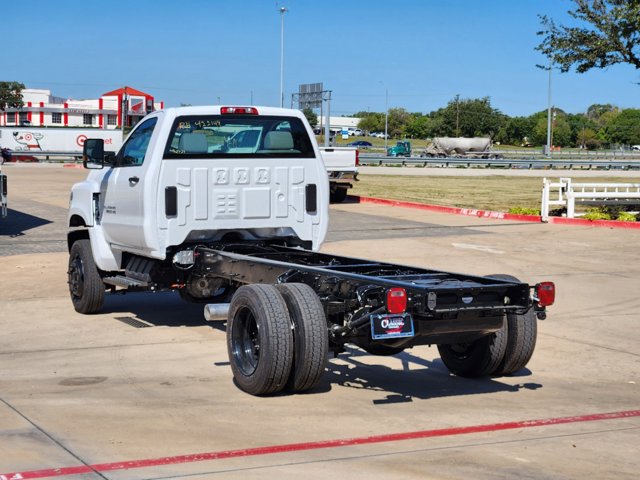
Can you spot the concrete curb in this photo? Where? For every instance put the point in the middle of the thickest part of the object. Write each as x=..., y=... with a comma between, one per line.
x=472, y=212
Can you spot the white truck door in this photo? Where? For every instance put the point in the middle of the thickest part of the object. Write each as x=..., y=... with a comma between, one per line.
x=122, y=214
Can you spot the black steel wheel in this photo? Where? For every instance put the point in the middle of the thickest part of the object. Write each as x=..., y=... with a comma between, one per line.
x=85, y=284
x=259, y=339
x=479, y=358
x=522, y=332
x=310, y=335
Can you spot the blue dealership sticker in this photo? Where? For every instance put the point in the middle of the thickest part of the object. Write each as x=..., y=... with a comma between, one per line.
x=391, y=326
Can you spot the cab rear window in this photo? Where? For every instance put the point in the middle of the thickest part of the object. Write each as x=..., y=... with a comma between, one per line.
x=246, y=136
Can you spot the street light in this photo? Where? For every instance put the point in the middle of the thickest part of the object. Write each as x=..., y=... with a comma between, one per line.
x=549, y=113
x=282, y=11
x=386, y=114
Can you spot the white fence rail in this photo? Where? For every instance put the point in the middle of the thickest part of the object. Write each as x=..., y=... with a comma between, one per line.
x=565, y=193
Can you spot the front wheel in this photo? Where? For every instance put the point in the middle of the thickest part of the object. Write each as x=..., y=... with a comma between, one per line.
x=85, y=284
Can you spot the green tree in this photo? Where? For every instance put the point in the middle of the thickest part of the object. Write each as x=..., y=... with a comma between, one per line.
x=398, y=120
x=312, y=118
x=625, y=127
x=579, y=123
x=11, y=95
x=419, y=126
x=371, y=121
x=561, y=129
x=516, y=131
x=609, y=33
x=469, y=118
x=597, y=111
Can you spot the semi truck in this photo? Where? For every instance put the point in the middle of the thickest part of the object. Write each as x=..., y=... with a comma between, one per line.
x=178, y=208
x=402, y=148
x=460, y=147
x=63, y=140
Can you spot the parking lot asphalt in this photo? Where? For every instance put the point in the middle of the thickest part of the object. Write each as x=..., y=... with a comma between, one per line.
x=143, y=390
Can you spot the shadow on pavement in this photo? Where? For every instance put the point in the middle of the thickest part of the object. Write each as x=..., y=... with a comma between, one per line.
x=409, y=383
x=143, y=309
x=17, y=223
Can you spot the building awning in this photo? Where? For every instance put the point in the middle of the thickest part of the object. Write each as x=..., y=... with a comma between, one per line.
x=126, y=90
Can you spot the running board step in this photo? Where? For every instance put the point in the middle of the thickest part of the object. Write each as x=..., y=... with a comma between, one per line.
x=124, y=282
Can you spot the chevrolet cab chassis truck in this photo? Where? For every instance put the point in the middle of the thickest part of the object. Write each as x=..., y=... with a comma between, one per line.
x=185, y=205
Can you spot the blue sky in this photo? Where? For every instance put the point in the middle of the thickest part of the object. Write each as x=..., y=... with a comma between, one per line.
x=422, y=52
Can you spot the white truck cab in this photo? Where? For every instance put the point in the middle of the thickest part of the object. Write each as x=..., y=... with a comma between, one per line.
x=198, y=174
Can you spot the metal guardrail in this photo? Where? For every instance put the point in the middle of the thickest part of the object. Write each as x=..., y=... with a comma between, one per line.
x=529, y=163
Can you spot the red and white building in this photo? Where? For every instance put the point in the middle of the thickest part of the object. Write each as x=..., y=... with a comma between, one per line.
x=41, y=109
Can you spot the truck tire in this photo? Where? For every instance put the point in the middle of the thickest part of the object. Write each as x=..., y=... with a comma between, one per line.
x=479, y=358
x=259, y=339
x=310, y=335
x=522, y=331
x=339, y=195
x=85, y=284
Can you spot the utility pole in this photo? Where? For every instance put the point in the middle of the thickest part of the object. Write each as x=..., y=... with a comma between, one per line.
x=282, y=11
x=458, y=115
x=327, y=131
x=124, y=109
x=548, y=152
x=386, y=118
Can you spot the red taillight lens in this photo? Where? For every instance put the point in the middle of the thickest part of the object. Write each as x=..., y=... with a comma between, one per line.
x=546, y=293
x=239, y=110
x=357, y=157
x=396, y=300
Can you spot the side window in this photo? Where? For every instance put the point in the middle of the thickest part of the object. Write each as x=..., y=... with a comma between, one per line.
x=134, y=150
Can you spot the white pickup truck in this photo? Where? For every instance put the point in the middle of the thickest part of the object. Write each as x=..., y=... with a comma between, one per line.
x=229, y=206
x=342, y=168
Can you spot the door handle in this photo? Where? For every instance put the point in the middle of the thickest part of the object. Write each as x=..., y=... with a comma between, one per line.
x=133, y=180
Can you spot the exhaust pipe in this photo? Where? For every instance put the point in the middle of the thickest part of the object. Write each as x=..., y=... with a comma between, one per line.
x=216, y=311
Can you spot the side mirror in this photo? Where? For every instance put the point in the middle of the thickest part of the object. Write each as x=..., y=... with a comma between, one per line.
x=93, y=153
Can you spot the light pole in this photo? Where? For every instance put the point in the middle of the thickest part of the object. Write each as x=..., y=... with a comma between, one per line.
x=386, y=117
x=549, y=113
x=386, y=114
x=282, y=11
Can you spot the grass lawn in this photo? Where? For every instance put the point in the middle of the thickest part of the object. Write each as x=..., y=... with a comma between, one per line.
x=485, y=193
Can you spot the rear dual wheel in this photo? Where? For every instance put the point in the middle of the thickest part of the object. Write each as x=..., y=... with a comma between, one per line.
x=276, y=338
x=501, y=353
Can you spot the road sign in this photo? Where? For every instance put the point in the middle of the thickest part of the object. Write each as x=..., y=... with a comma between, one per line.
x=309, y=95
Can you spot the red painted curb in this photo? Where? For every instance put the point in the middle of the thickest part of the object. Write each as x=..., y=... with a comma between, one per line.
x=472, y=212
x=297, y=447
x=594, y=223
x=72, y=165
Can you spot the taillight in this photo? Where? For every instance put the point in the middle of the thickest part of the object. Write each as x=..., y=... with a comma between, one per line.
x=396, y=300
x=546, y=293
x=239, y=110
x=357, y=157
